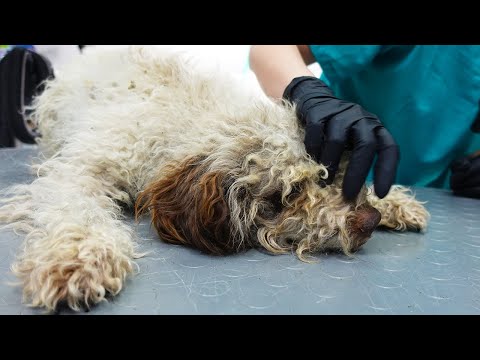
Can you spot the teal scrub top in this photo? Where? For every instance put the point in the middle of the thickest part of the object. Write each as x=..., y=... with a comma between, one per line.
x=427, y=96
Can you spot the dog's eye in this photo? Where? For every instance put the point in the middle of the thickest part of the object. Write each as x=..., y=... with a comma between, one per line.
x=322, y=183
x=296, y=190
x=275, y=201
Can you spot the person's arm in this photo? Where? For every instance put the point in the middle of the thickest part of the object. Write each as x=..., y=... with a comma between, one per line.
x=277, y=65
x=331, y=124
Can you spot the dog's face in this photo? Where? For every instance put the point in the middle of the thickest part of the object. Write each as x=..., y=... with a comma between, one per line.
x=279, y=208
x=309, y=216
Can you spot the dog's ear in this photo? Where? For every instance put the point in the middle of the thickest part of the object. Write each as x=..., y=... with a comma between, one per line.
x=188, y=207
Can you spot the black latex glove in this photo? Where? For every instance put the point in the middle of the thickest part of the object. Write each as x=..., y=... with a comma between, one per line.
x=465, y=178
x=333, y=126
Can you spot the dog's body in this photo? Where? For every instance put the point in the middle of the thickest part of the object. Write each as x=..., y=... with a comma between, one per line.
x=217, y=168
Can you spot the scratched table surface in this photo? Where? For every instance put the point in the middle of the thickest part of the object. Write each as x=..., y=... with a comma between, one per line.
x=437, y=272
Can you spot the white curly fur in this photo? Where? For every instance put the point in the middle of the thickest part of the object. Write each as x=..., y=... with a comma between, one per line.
x=116, y=122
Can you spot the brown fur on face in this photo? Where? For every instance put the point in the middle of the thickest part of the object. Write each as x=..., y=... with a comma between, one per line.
x=188, y=207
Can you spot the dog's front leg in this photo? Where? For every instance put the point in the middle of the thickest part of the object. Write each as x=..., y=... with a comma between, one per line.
x=76, y=250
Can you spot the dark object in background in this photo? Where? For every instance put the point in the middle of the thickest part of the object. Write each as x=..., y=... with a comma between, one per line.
x=465, y=178
x=22, y=73
x=476, y=123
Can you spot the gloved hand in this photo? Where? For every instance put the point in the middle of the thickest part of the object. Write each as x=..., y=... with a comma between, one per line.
x=333, y=125
x=465, y=178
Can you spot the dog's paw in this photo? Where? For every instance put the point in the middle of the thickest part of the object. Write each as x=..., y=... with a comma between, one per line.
x=400, y=210
x=79, y=276
x=401, y=217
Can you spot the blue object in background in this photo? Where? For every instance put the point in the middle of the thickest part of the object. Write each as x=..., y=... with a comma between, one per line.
x=30, y=47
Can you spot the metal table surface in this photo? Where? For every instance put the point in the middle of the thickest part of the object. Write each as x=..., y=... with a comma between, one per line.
x=437, y=272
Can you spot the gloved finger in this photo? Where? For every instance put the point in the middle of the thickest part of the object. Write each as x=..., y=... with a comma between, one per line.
x=333, y=148
x=364, y=147
x=314, y=138
x=387, y=161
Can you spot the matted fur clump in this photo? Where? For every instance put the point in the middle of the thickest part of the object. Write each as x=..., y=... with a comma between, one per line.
x=216, y=167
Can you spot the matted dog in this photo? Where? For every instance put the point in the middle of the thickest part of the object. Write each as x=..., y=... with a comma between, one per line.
x=217, y=168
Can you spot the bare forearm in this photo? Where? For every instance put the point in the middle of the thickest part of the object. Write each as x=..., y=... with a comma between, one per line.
x=276, y=65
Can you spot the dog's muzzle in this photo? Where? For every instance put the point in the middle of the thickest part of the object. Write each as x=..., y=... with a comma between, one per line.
x=365, y=221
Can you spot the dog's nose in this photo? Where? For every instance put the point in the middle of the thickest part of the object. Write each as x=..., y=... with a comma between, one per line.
x=367, y=219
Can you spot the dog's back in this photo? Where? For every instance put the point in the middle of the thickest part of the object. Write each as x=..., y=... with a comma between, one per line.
x=129, y=79
x=154, y=106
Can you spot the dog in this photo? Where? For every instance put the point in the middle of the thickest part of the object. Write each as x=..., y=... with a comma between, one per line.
x=217, y=168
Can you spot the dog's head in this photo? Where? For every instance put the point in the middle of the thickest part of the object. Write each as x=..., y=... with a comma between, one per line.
x=264, y=190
